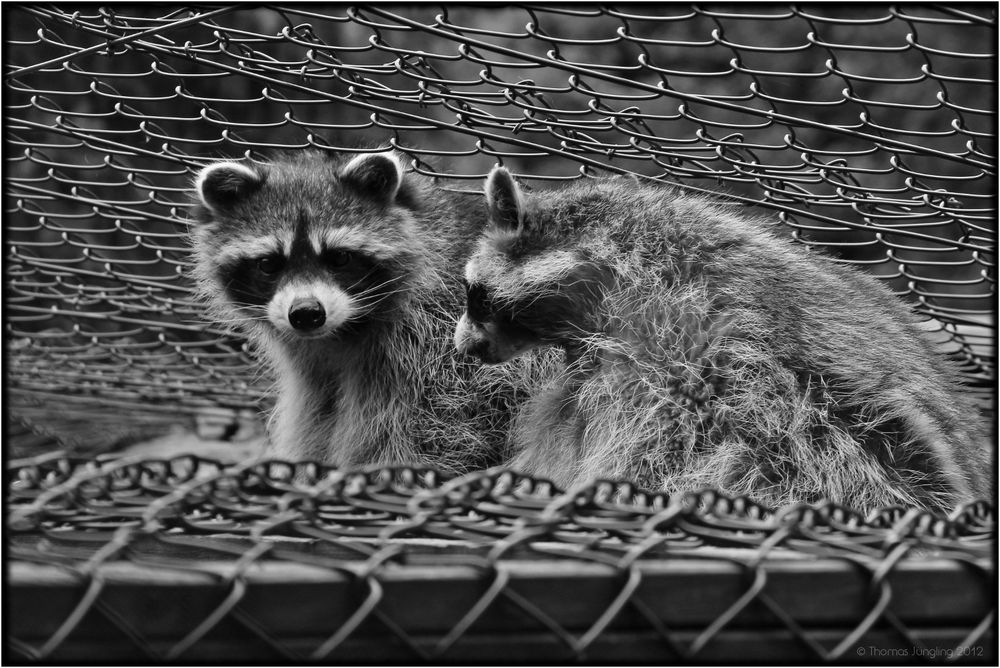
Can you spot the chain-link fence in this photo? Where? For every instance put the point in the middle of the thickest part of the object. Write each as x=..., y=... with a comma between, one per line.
x=192, y=560
x=868, y=130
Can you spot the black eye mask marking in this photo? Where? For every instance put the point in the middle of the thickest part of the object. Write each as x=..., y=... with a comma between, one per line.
x=377, y=287
x=478, y=303
x=481, y=308
x=559, y=314
x=337, y=258
x=252, y=281
x=354, y=272
x=270, y=265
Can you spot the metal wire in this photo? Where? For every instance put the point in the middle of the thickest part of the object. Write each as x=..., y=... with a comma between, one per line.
x=234, y=545
x=868, y=130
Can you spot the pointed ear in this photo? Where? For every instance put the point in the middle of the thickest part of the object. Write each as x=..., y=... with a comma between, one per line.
x=223, y=184
x=377, y=175
x=503, y=199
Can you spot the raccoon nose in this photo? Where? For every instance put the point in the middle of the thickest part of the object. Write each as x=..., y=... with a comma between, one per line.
x=306, y=314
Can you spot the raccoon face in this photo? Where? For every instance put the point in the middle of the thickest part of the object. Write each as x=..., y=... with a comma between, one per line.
x=490, y=331
x=304, y=291
x=307, y=248
x=525, y=287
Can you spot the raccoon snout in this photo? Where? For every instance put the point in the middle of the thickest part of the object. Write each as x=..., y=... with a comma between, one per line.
x=306, y=315
x=481, y=350
x=470, y=340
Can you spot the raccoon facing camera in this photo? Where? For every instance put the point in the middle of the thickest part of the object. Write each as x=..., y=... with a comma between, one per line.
x=339, y=270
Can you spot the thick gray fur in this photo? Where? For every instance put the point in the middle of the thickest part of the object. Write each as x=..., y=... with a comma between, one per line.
x=703, y=350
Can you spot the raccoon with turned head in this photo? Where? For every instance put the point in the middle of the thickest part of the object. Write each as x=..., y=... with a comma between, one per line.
x=704, y=350
x=338, y=269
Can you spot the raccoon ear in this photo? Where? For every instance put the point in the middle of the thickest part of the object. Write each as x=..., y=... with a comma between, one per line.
x=378, y=175
x=222, y=184
x=503, y=199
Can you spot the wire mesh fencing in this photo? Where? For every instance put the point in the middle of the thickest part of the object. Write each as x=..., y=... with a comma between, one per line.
x=867, y=130
x=190, y=559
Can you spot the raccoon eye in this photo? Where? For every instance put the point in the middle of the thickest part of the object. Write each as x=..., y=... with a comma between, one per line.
x=270, y=264
x=478, y=303
x=338, y=258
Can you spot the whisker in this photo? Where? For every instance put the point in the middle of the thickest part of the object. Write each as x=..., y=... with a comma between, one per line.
x=373, y=288
x=377, y=297
x=227, y=321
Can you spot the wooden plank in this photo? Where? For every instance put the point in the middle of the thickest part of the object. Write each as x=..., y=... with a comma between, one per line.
x=878, y=646
x=291, y=599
